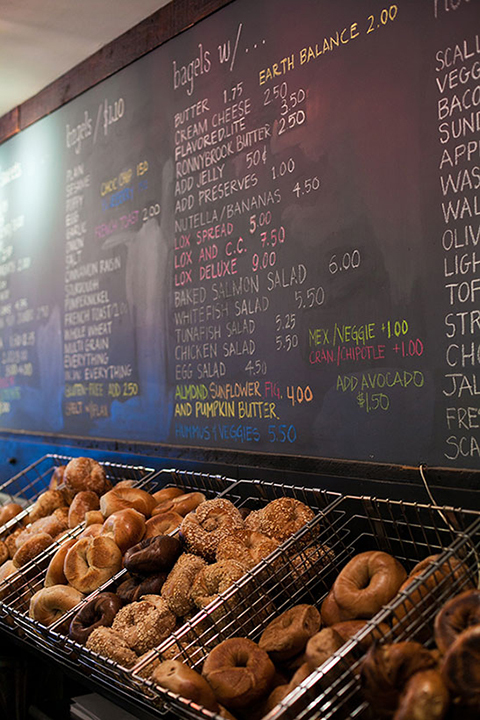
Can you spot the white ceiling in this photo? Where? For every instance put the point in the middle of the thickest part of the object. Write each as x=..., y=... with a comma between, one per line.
x=40, y=40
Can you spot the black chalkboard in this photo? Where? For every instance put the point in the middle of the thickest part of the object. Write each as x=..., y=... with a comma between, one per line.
x=261, y=236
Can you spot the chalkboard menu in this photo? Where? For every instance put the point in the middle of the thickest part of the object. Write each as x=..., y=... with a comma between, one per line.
x=262, y=236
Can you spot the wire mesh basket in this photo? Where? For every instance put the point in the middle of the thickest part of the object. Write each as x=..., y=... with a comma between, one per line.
x=16, y=604
x=253, y=494
x=303, y=571
x=17, y=587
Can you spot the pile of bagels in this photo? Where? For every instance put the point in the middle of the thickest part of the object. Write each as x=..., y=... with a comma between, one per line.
x=171, y=577
x=407, y=680
x=250, y=679
x=149, y=561
x=116, y=518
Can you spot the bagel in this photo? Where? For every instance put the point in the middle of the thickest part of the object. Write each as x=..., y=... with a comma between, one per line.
x=331, y=612
x=387, y=668
x=133, y=589
x=461, y=667
x=211, y=522
x=9, y=511
x=125, y=527
x=366, y=583
x=167, y=493
x=144, y=624
x=110, y=644
x=239, y=673
x=55, y=574
x=182, y=680
x=177, y=586
x=31, y=547
x=424, y=697
x=246, y=546
x=7, y=586
x=99, y=612
x=57, y=477
x=45, y=504
x=281, y=518
x=163, y=524
x=215, y=579
x=417, y=601
x=182, y=504
x=121, y=498
x=94, y=517
x=156, y=554
x=83, y=502
x=458, y=614
x=288, y=634
x=91, y=562
x=83, y=473
x=49, y=604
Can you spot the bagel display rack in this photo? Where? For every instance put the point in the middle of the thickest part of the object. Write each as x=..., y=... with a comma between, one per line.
x=299, y=573
x=15, y=605
x=32, y=482
x=108, y=674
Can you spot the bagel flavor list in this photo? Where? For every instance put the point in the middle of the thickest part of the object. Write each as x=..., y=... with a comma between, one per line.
x=457, y=72
x=100, y=205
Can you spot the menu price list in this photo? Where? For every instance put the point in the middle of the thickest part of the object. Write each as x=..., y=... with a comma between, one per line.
x=248, y=296
x=222, y=255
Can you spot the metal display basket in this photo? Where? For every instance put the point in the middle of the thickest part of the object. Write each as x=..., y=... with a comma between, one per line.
x=53, y=639
x=103, y=670
x=18, y=587
x=303, y=572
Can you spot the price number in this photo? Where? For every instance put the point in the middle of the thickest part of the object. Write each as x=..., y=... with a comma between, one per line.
x=306, y=187
x=298, y=395
x=257, y=367
x=348, y=261
x=282, y=433
x=290, y=102
x=313, y=297
x=412, y=348
x=233, y=93
x=264, y=260
x=395, y=329
x=285, y=322
x=261, y=220
x=286, y=342
x=373, y=401
x=277, y=92
x=386, y=15
x=126, y=389
x=112, y=113
x=273, y=237
x=286, y=167
x=255, y=157
x=291, y=121
x=150, y=212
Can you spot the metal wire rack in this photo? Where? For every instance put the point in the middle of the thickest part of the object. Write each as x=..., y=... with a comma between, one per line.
x=18, y=588
x=303, y=571
x=251, y=494
x=31, y=579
